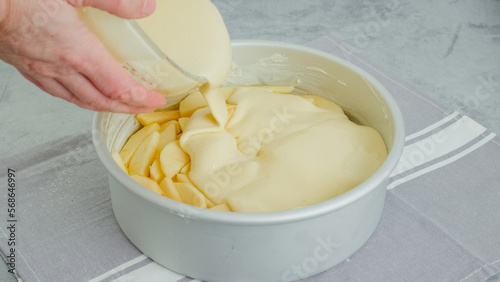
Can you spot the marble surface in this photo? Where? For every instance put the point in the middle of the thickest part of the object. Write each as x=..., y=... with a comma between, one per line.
x=448, y=50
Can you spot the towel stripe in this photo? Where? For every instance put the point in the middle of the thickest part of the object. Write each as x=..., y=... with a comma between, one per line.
x=452, y=158
x=441, y=143
x=119, y=268
x=152, y=272
x=432, y=127
x=132, y=268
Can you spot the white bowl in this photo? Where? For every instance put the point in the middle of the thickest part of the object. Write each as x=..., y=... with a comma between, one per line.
x=279, y=246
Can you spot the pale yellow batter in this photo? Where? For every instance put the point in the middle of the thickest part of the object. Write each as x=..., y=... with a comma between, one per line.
x=278, y=152
x=192, y=33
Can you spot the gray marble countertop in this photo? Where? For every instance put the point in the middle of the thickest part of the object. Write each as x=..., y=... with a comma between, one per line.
x=447, y=50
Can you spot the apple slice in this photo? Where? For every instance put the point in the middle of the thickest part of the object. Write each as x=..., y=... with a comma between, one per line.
x=182, y=178
x=144, y=156
x=119, y=161
x=221, y=207
x=186, y=169
x=172, y=159
x=165, y=125
x=155, y=171
x=157, y=117
x=210, y=204
x=148, y=183
x=183, y=122
x=135, y=141
x=168, y=187
x=192, y=103
x=166, y=136
x=190, y=195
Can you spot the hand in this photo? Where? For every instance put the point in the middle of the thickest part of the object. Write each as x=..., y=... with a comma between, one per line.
x=51, y=47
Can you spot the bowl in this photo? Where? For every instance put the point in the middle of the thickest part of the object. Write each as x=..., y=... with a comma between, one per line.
x=139, y=55
x=279, y=246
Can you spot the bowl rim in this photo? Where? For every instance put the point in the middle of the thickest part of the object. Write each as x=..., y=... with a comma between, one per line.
x=269, y=218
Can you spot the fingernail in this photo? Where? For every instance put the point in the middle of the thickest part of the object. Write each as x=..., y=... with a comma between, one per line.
x=148, y=8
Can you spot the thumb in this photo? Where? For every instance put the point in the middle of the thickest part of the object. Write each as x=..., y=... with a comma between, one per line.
x=127, y=9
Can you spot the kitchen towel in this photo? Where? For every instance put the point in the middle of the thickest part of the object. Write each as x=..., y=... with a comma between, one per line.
x=441, y=221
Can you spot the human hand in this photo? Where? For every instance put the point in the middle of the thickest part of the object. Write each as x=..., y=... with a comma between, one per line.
x=51, y=47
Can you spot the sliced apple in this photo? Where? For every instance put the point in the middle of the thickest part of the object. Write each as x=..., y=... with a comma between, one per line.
x=182, y=178
x=183, y=122
x=221, y=207
x=135, y=141
x=148, y=183
x=166, y=136
x=185, y=169
x=165, y=125
x=192, y=103
x=190, y=195
x=172, y=159
x=168, y=187
x=144, y=156
x=210, y=204
x=119, y=161
x=157, y=117
x=155, y=171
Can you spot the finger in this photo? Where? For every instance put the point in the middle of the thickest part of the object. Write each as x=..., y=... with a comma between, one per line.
x=32, y=80
x=117, y=84
x=59, y=90
x=51, y=86
x=128, y=9
x=56, y=89
x=85, y=91
x=114, y=81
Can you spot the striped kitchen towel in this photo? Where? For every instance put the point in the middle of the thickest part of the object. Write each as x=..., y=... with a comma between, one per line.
x=441, y=221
